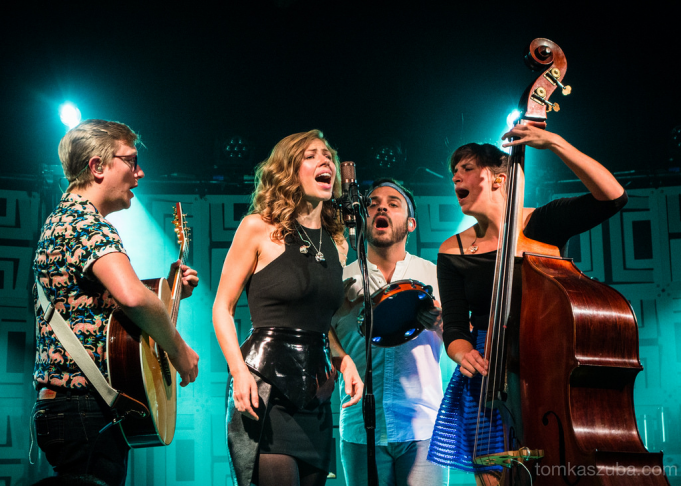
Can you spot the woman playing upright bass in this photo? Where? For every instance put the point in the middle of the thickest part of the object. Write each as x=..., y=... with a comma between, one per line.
x=466, y=266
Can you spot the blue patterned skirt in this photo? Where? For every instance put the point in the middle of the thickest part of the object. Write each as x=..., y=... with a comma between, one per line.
x=453, y=438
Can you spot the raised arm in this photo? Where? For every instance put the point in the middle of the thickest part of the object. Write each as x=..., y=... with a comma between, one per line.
x=239, y=265
x=146, y=310
x=597, y=179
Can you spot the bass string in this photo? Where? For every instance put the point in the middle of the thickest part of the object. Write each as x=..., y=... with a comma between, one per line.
x=483, y=421
x=499, y=307
x=489, y=385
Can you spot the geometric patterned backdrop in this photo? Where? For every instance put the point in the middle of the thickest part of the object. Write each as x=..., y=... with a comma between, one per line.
x=638, y=252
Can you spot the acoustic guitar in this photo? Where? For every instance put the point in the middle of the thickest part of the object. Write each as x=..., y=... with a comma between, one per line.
x=140, y=368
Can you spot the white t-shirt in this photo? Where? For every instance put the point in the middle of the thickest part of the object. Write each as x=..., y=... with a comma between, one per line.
x=407, y=379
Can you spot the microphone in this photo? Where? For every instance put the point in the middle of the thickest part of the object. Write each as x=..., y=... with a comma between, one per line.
x=349, y=199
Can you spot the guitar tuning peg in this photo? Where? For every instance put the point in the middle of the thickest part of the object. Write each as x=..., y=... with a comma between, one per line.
x=177, y=230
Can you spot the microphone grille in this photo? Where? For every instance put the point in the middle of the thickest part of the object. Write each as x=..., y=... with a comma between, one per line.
x=347, y=170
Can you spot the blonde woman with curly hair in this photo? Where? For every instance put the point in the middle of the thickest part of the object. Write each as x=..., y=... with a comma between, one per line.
x=288, y=254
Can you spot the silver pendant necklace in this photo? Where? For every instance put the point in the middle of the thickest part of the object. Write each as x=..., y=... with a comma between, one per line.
x=473, y=248
x=304, y=249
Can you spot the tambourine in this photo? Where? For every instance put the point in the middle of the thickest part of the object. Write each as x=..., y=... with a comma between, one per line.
x=396, y=307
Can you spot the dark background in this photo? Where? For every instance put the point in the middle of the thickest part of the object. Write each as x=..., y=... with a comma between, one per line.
x=427, y=75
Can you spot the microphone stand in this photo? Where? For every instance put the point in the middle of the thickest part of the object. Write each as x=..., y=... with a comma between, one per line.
x=368, y=401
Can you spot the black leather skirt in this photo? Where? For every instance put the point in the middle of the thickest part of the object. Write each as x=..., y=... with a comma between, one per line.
x=297, y=364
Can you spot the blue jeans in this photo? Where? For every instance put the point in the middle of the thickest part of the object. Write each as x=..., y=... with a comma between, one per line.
x=398, y=464
x=67, y=429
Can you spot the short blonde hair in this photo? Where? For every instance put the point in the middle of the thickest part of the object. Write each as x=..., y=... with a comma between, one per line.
x=91, y=138
x=278, y=193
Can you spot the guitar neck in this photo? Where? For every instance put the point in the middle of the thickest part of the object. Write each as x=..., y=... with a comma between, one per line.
x=176, y=278
x=176, y=288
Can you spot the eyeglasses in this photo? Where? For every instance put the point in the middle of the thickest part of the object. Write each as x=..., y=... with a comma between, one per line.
x=131, y=160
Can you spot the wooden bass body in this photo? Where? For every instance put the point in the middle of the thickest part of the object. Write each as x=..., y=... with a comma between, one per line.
x=579, y=406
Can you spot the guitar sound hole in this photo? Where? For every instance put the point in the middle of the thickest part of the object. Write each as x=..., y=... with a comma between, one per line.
x=165, y=364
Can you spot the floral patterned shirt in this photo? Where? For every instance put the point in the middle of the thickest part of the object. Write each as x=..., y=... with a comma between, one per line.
x=74, y=236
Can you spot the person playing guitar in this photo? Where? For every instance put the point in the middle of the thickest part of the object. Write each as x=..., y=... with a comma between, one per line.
x=84, y=271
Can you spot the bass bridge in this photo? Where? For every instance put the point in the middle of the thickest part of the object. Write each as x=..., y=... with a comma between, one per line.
x=509, y=458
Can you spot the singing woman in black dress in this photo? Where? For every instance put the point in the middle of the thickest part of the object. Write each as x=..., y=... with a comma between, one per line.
x=288, y=254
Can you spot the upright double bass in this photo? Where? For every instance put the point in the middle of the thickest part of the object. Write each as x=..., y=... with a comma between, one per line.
x=563, y=352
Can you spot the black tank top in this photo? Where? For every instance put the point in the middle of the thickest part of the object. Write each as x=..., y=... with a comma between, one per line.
x=295, y=290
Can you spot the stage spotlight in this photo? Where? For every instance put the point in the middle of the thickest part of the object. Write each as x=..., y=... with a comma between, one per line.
x=512, y=117
x=236, y=148
x=69, y=115
x=234, y=159
x=510, y=123
x=386, y=158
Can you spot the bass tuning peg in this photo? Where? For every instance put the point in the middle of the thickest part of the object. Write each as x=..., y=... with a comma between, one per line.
x=539, y=96
x=553, y=75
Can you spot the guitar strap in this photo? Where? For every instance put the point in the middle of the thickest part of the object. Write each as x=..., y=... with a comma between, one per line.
x=115, y=399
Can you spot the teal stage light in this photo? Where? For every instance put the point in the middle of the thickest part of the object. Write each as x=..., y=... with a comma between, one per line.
x=512, y=117
x=69, y=115
x=151, y=250
x=510, y=122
